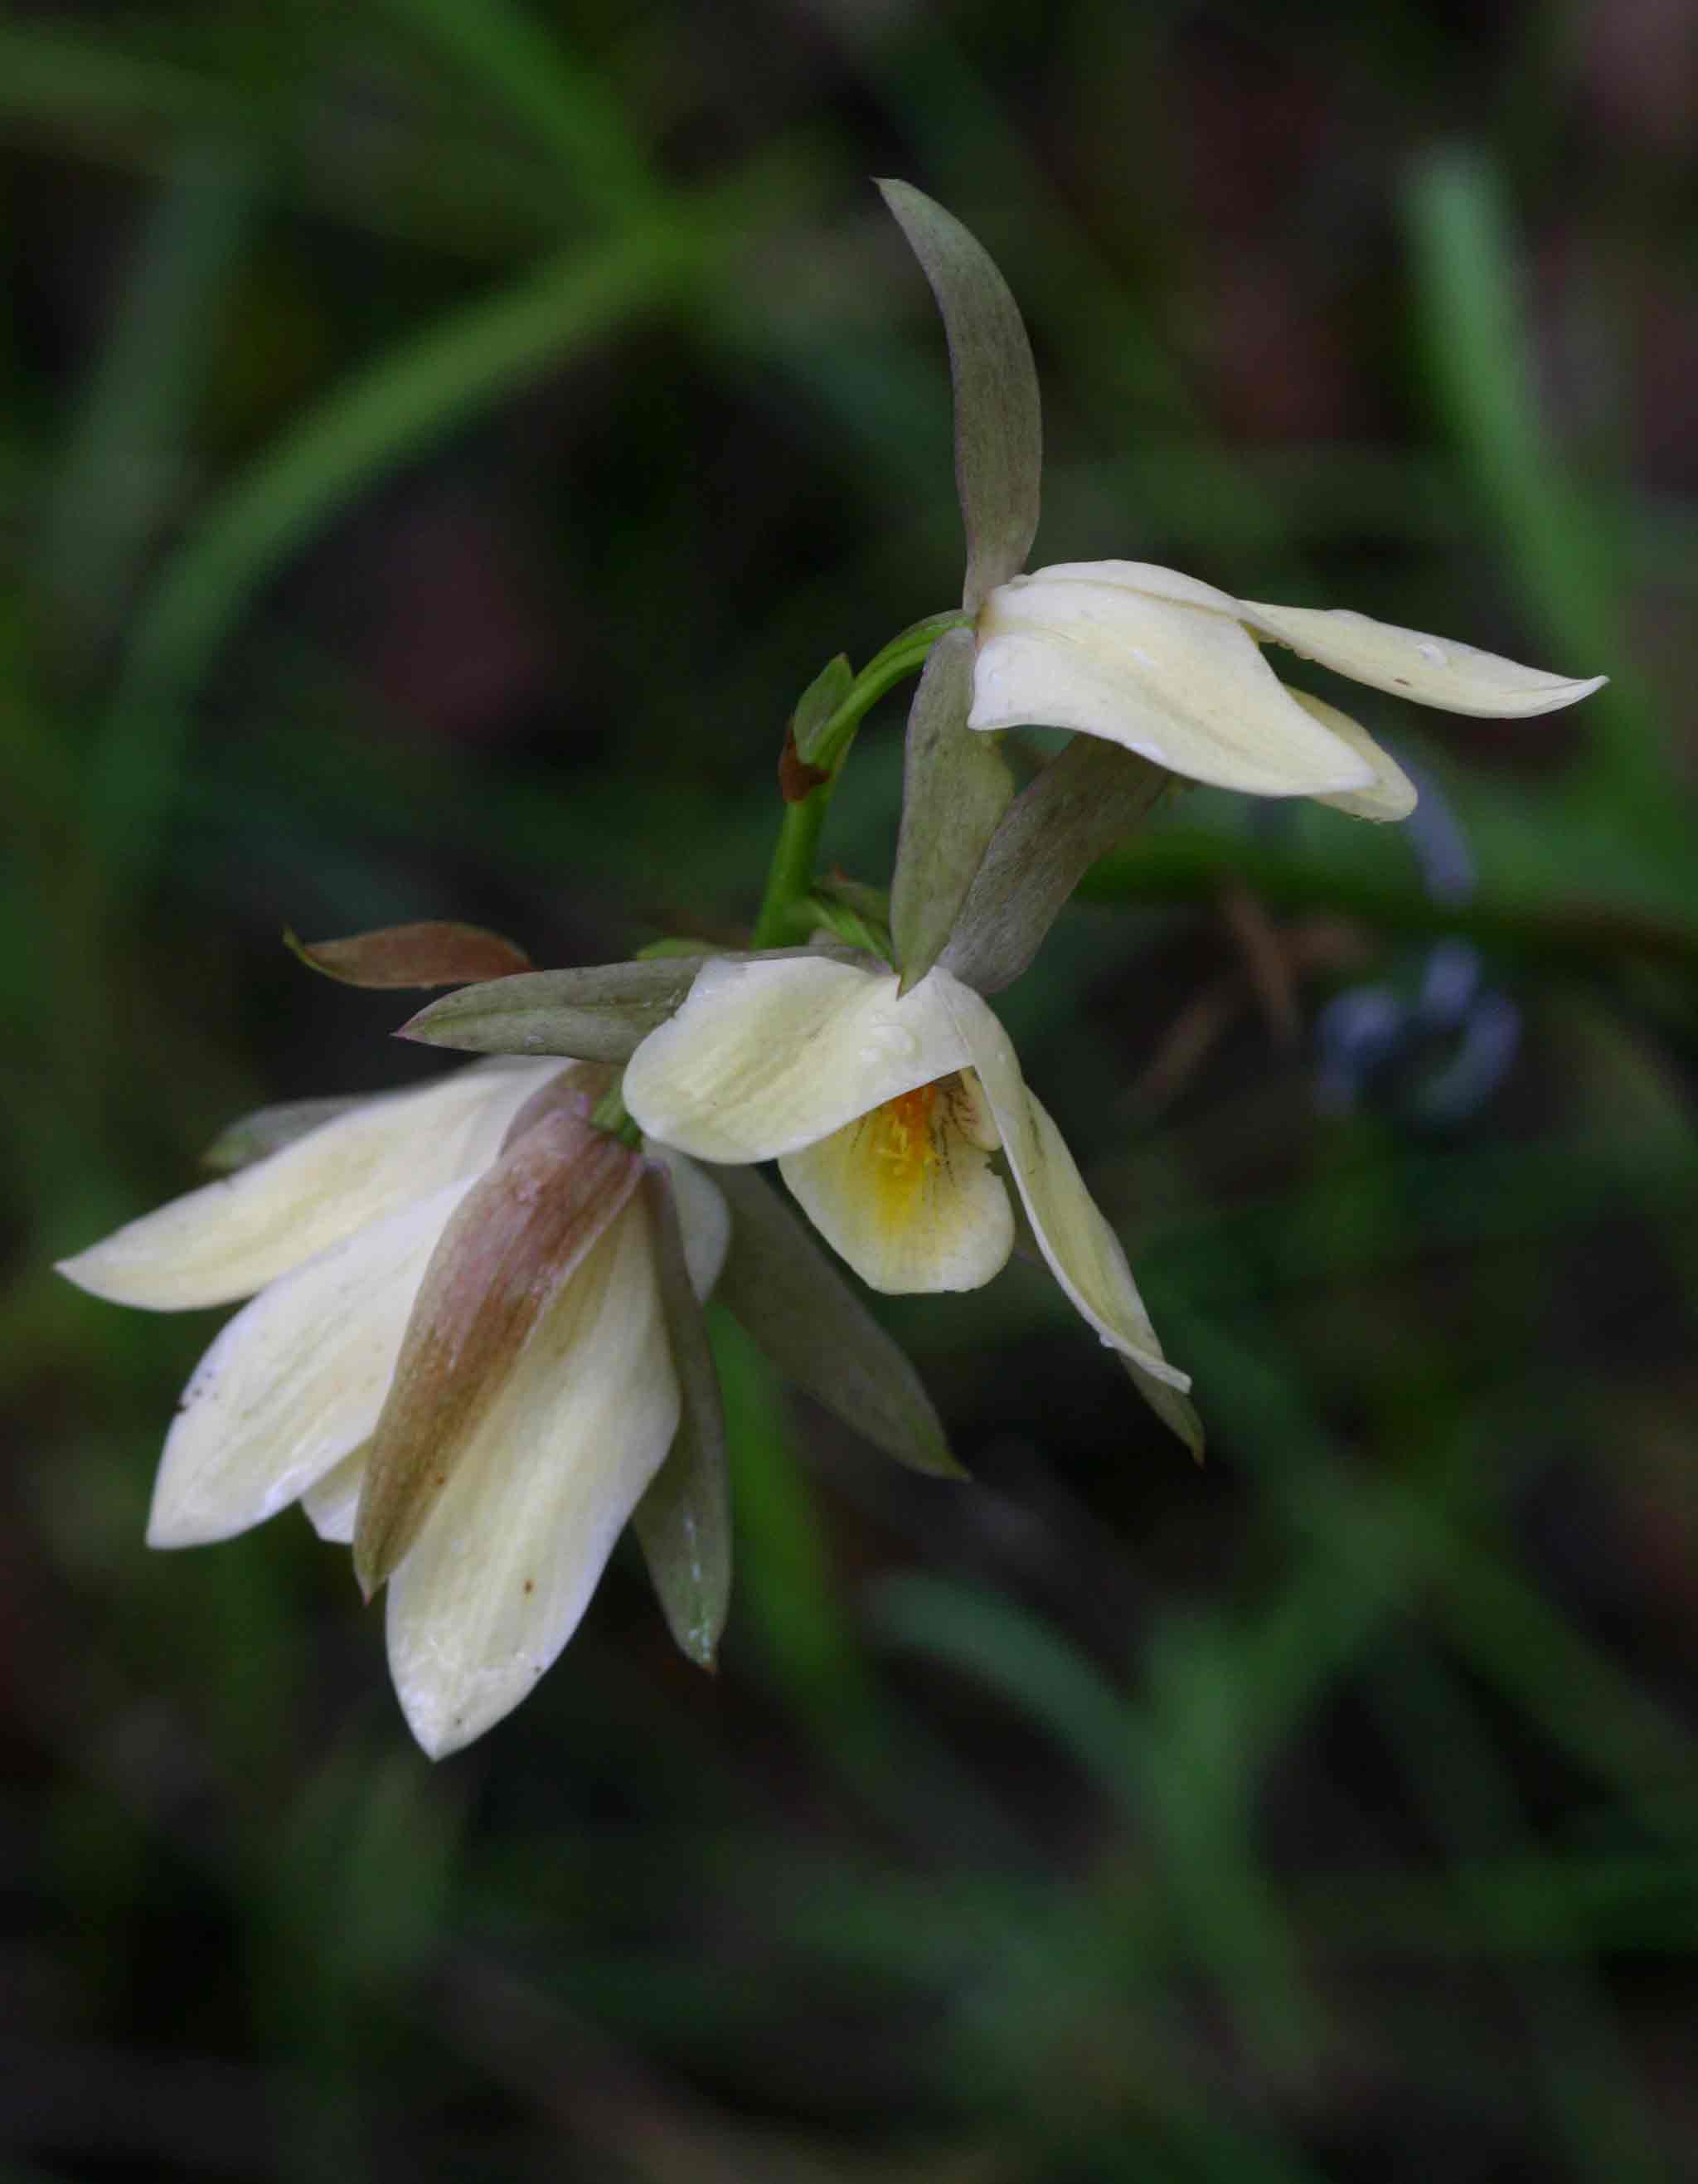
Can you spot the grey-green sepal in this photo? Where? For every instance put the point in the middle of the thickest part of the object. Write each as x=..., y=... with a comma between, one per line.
x=269, y=1129
x=1176, y=1410
x=602, y=1013
x=998, y=426
x=817, y=1332
x=683, y=1521
x=1073, y=812
x=955, y=787
x=817, y=705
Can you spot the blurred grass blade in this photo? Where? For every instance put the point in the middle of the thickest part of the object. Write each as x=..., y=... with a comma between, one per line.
x=999, y=425
x=523, y=66
x=683, y=1521
x=401, y=404
x=1469, y=284
x=125, y=458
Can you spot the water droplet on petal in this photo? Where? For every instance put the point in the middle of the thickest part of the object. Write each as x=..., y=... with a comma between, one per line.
x=1429, y=650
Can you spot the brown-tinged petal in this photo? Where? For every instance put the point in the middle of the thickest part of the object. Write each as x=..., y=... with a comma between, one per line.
x=514, y=1241
x=506, y=1564
x=435, y=952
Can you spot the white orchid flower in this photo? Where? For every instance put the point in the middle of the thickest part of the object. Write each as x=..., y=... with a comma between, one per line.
x=454, y=1288
x=883, y=1113
x=1174, y=670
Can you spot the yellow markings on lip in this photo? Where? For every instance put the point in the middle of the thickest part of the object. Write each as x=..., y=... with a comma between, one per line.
x=908, y=1142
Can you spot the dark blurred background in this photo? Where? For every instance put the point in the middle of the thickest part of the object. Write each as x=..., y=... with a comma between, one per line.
x=441, y=438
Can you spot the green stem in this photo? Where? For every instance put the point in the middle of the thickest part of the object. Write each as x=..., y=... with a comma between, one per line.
x=782, y=918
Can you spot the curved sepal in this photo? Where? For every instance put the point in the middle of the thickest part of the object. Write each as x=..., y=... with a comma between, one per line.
x=795, y=1305
x=998, y=424
x=683, y=1521
x=955, y=787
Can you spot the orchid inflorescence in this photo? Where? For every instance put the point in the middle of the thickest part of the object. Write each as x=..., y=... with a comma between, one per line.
x=475, y=1346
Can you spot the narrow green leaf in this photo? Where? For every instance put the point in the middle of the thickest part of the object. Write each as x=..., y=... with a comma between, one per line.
x=955, y=787
x=790, y=1297
x=683, y=1521
x=434, y=952
x=998, y=426
x=269, y=1129
x=1081, y=804
x=817, y=704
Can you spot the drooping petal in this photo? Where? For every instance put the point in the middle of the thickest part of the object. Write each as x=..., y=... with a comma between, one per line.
x=230, y=1239
x=295, y=1381
x=764, y=1058
x=1083, y=1252
x=1433, y=671
x=1157, y=663
x=704, y=1217
x=514, y=1242
x=332, y=1503
x=906, y=1193
x=683, y=1522
x=1391, y=794
x=506, y=1563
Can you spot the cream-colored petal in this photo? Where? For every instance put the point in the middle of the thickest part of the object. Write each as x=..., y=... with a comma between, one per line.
x=295, y=1381
x=506, y=1563
x=332, y=1503
x=1391, y=794
x=1082, y=1252
x=764, y=1058
x=906, y=1193
x=704, y=1217
x=232, y=1238
x=1433, y=671
x=1170, y=676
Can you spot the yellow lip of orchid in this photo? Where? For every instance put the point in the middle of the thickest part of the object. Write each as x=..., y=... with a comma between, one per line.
x=882, y=1112
x=1172, y=669
x=333, y=1238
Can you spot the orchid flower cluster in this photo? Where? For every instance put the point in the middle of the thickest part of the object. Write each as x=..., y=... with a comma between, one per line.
x=476, y=1347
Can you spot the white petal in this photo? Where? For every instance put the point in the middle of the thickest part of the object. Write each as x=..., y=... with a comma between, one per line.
x=766, y=1057
x=1433, y=671
x=1171, y=675
x=704, y=1217
x=1391, y=794
x=295, y=1380
x=332, y=1503
x=1083, y=1252
x=906, y=1193
x=232, y=1238
x=507, y=1562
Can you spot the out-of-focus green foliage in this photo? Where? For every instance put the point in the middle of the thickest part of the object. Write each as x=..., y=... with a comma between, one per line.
x=440, y=439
